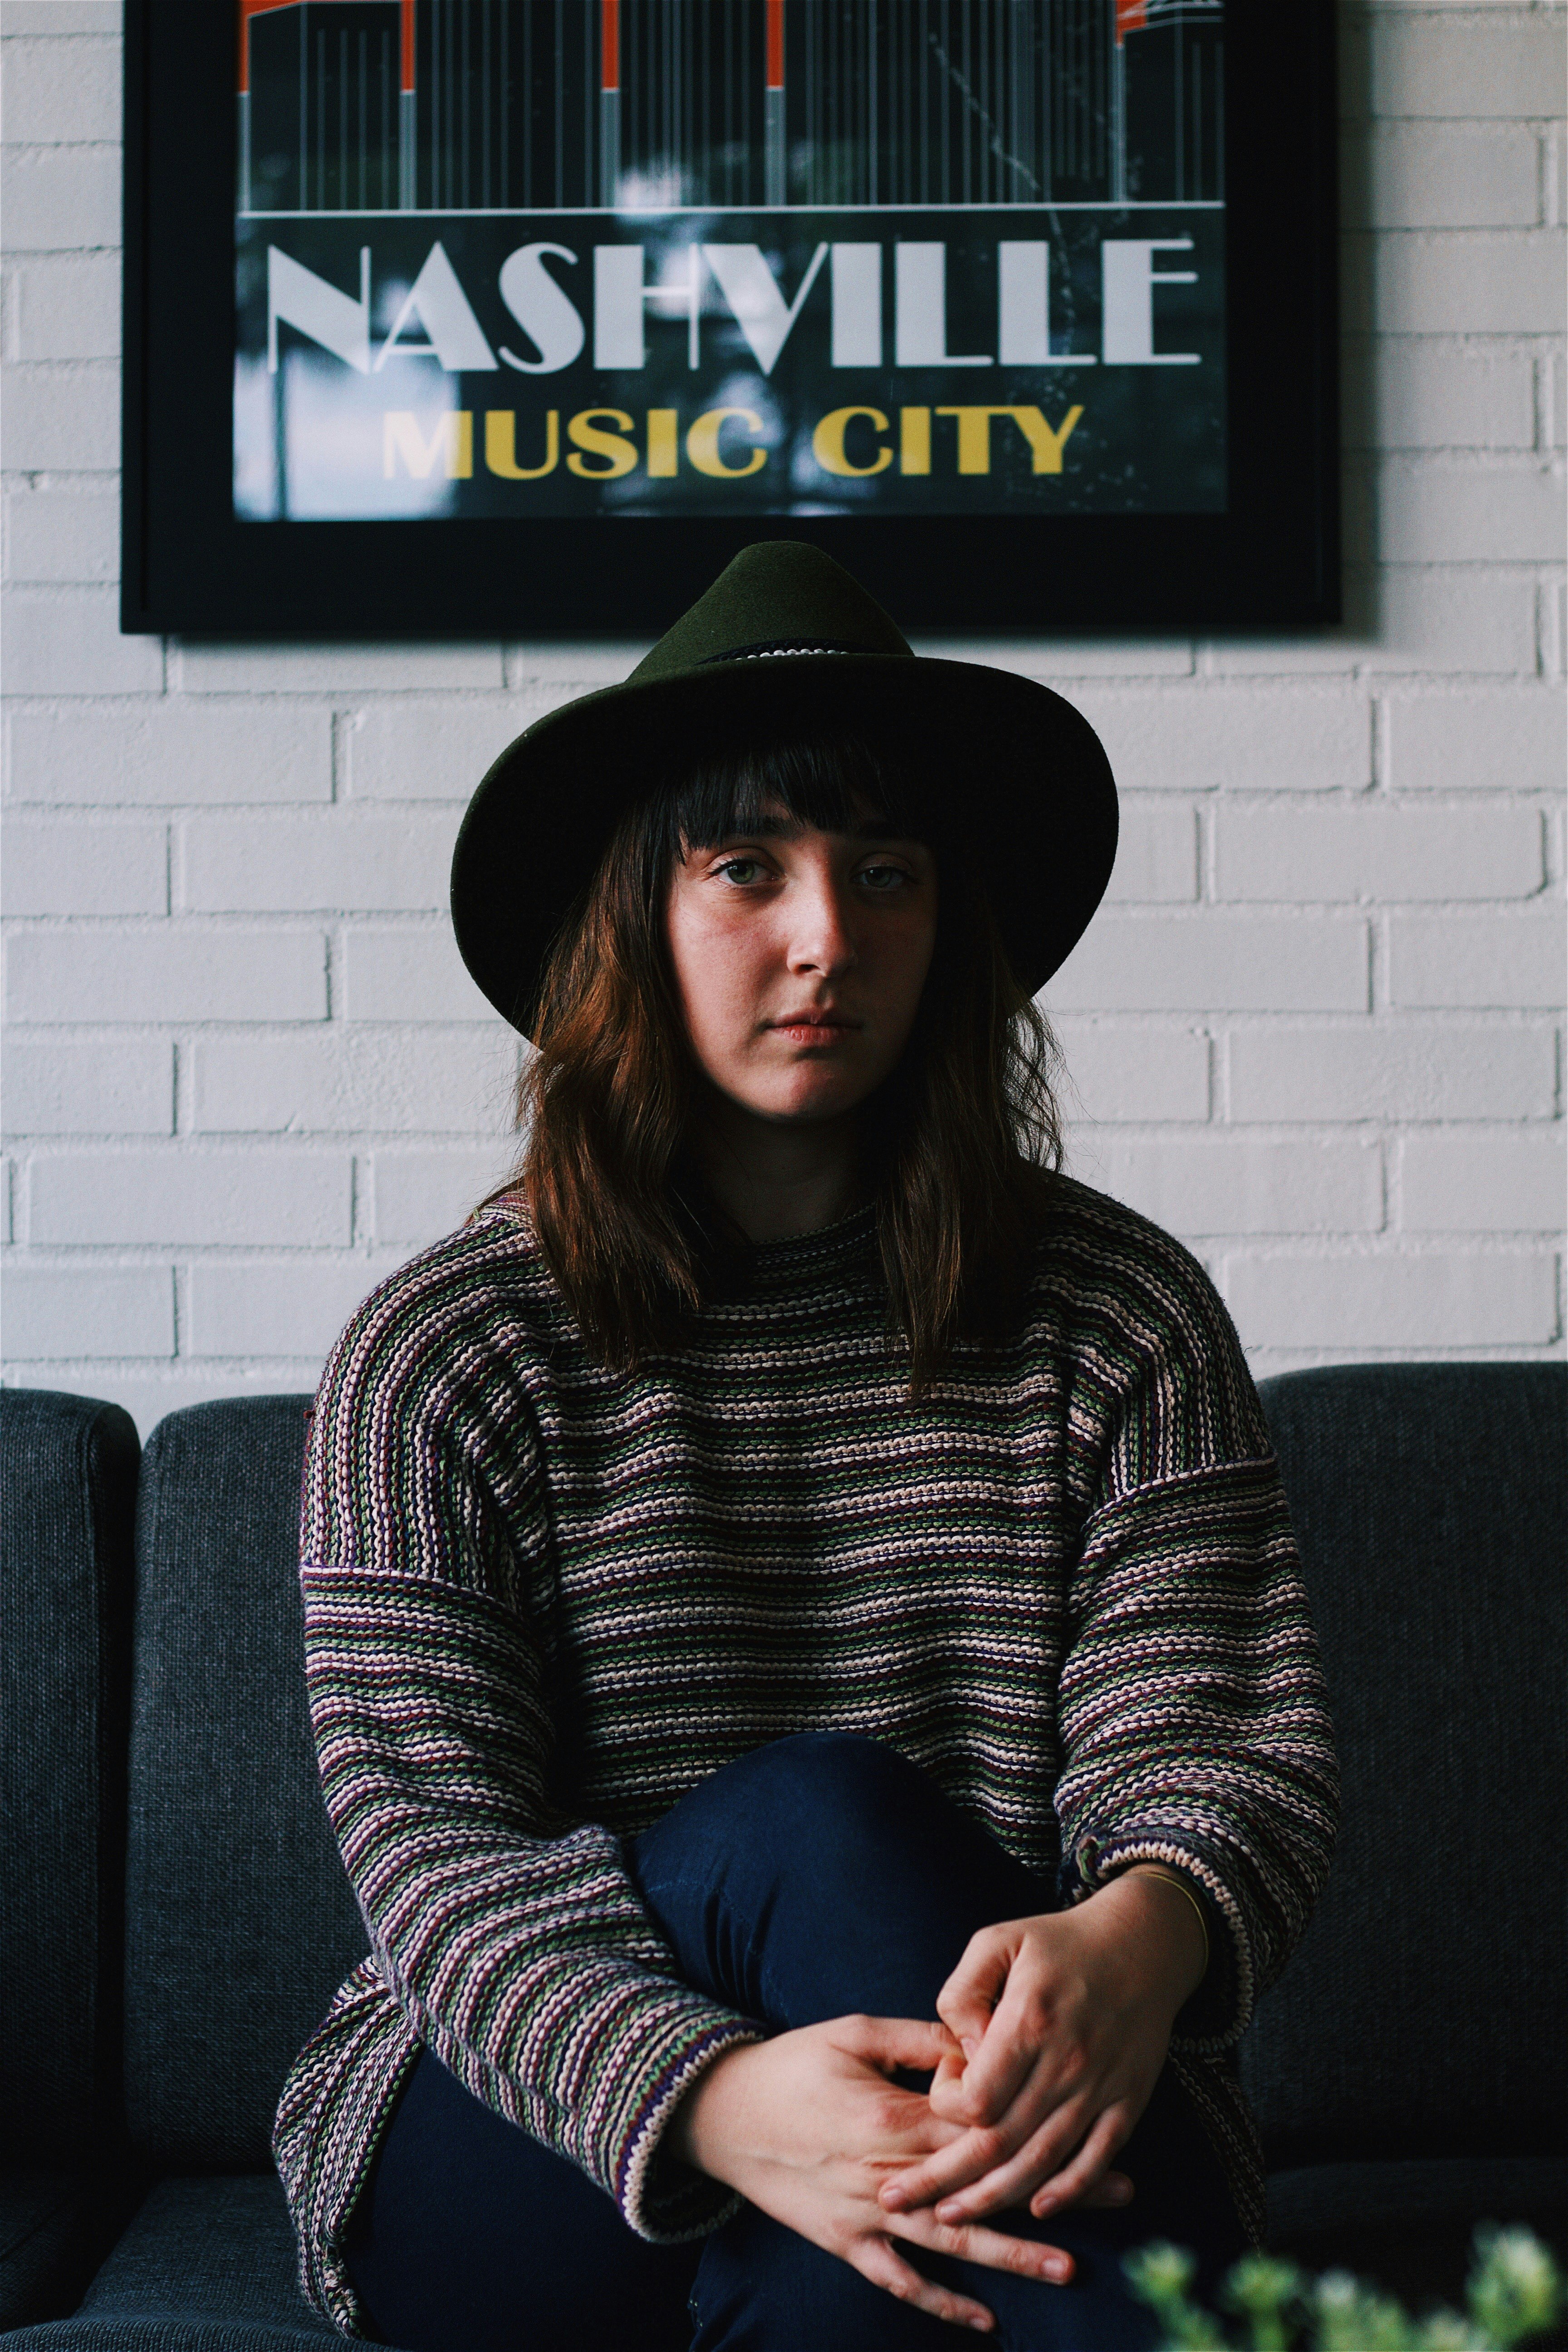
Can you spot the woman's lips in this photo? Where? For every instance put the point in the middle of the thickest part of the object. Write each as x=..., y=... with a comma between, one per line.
x=813, y=1028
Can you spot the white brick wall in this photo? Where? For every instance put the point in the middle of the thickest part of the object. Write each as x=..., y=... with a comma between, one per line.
x=1318, y=1033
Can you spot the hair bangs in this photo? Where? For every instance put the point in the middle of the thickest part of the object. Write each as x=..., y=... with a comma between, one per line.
x=832, y=783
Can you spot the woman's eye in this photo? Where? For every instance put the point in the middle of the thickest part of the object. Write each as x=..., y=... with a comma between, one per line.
x=740, y=870
x=883, y=877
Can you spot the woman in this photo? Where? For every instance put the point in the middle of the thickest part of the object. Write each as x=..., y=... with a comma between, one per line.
x=809, y=1671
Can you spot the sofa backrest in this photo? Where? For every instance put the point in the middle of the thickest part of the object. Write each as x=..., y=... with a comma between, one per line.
x=67, y=1473
x=1422, y=2015
x=240, y=1922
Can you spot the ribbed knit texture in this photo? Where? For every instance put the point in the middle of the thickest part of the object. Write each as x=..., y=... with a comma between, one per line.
x=543, y=1600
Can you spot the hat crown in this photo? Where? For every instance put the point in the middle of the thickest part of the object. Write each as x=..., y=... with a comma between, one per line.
x=781, y=596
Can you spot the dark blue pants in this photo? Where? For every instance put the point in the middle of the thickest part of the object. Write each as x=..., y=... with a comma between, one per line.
x=814, y=1878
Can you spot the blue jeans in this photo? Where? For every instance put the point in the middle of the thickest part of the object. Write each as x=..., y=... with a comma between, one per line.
x=813, y=1878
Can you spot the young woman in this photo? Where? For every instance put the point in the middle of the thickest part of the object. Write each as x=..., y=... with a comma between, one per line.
x=810, y=1673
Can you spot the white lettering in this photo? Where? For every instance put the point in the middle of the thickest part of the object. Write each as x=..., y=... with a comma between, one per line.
x=440, y=303
x=620, y=300
x=1023, y=309
x=1128, y=279
x=750, y=288
x=544, y=312
x=857, y=292
x=316, y=308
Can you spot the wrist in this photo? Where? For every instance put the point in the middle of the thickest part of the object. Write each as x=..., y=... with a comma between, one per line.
x=1166, y=1926
x=702, y=2124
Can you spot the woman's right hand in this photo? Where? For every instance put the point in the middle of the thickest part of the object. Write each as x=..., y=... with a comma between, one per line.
x=809, y=2124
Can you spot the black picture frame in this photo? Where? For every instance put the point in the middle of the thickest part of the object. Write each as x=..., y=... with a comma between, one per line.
x=192, y=568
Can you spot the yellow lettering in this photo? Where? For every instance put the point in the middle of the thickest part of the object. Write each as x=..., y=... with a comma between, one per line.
x=619, y=455
x=1046, y=447
x=975, y=436
x=827, y=442
x=663, y=444
x=451, y=438
x=914, y=440
x=702, y=443
x=501, y=446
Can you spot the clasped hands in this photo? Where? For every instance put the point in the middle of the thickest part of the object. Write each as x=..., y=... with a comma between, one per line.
x=1052, y=2035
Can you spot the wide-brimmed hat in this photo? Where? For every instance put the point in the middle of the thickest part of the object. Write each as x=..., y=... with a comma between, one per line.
x=785, y=637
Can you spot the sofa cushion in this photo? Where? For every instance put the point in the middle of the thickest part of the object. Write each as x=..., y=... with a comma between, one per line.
x=206, y=2265
x=1415, y=2020
x=44, y=2232
x=68, y=1466
x=240, y=1922
x=1408, y=2227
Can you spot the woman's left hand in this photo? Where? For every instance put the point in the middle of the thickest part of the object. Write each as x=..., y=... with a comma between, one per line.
x=1064, y=2020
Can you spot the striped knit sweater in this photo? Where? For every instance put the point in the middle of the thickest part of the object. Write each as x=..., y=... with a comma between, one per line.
x=542, y=1600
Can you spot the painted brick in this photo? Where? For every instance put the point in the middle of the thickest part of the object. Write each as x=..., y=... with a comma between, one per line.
x=409, y=975
x=331, y=669
x=420, y=1195
x=1448, y=514
x=1512, y=65
x=68, y=307
x=1377, y=854
x=67, y=418
x=1054, y=658
x=1479, y=283
x=64, y=537
x=59, y=95
x=1432, y=393
x=69, y=643
x=272, y=1309
x=201, y=1199
x=60, y=16
x=86, y=869
x=1231, y=1185
x=1402, y=619
x=166, y=975
x=1498, y=960
x=278, y=865
x=87, y=1311
x=373, y=1078
x=1133, y=1074
x=30, y=18
x=422, y=751
x=1430, y=175
x=1501, y=1183
x=1394, y=1302
x=576, y=665
x=59, y=1086
x=1515, y=738
x=1404, y=1072
x=56, y=200
x=178, y=753
x=1156, y=855
x=1296, y=741
x=1210, y=962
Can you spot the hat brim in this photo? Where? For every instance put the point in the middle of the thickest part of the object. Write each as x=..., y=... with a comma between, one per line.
x=1029, y=774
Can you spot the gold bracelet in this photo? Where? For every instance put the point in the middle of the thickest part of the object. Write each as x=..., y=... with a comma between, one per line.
x=1176, y=1879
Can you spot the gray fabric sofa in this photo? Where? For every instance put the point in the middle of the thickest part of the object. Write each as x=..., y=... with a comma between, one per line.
x=173, y=1916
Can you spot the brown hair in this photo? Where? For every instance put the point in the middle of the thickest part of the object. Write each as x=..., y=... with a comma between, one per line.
x=961, y=1141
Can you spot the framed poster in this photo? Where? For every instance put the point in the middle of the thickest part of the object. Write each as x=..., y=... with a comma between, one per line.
x=507, y=316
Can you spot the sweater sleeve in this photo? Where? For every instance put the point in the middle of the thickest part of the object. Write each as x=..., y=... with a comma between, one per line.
x=513, y=1938
x=1193, y=1712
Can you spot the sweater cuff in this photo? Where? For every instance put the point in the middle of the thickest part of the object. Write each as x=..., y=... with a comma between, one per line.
x=1218, y=2012
x=662, y=2197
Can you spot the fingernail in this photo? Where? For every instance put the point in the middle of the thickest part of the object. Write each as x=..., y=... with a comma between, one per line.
x=894, y=2198
x=1058, y=2270
x=1119, y=2191
x=950, y=2212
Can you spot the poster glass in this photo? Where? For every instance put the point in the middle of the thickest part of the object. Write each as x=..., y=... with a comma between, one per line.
x=734, y=258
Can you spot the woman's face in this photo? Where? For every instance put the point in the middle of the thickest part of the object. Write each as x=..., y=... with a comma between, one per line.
x=799, y=958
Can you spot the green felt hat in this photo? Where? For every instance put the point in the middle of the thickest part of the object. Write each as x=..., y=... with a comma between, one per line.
x=786, y=634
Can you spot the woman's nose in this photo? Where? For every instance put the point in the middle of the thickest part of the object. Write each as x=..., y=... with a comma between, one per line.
x=822, y=938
